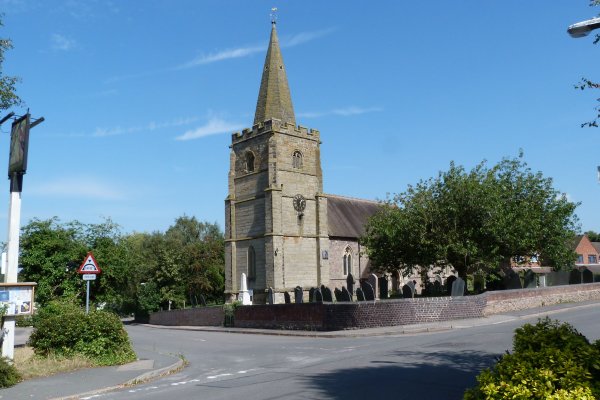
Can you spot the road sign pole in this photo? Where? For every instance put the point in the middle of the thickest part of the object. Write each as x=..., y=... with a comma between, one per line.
x=87, y=299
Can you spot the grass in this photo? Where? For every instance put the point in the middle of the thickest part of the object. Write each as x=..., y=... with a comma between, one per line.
x=31, y=365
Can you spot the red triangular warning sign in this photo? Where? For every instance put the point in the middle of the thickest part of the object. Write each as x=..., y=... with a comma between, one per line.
x=89, y=265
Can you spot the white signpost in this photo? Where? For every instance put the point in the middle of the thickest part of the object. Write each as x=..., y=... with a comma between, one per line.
x=17, y=167
x=89, y=269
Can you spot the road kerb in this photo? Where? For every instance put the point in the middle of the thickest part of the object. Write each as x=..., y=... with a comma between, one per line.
x=143, y=378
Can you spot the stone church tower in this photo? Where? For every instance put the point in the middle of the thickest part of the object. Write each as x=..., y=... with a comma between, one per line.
x=275, y=213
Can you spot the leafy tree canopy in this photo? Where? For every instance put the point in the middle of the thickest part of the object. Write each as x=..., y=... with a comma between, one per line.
x=478, y=220
x=586, y=83
x=8, y=96
x=592, y=235
x=140, y=271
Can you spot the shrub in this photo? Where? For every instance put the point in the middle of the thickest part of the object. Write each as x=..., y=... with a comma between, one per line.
x=9, y=376
x=65, y=330
x=550, y=360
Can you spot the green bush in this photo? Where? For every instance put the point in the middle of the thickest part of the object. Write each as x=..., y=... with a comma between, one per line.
x=9, y=376
x=64, y=329
x=550, y=360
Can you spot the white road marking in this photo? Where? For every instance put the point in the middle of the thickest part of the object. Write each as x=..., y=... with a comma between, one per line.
x=217, y=376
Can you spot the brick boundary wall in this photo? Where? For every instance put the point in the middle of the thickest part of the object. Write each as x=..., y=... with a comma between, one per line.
x=201, y=316
x=371, y=314
x=520, y=299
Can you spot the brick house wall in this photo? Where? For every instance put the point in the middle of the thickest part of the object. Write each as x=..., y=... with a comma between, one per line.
x=587, y=253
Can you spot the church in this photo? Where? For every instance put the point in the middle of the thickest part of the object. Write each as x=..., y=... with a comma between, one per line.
x=281, y=230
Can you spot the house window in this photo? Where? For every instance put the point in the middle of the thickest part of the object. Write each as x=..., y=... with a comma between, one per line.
x=249, y=161
x=297, y=159
x=251, y=263
x=579, y=258
x=348, y=261
x=592, y=259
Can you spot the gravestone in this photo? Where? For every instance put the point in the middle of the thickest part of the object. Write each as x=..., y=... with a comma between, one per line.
x=407, y=292
x=529, y=279
x=449, y=281
x=383, y=288
x=360, y=295
x=512, y=281
x=395, y=282
x=458, y=288
x=368, y=291
x=373, y=281
x=346, y=296
x=326, y=292
x=338, y=294
x=478, y=283
x=318, y=296
x=575, y=277
x=436, y=288
x=298, y=295
x=270, y=296
x=587, y=276
x=350, y=283
x=311, y=295
x=286, y=298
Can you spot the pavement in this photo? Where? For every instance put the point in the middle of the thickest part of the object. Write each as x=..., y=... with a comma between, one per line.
x=84, y=384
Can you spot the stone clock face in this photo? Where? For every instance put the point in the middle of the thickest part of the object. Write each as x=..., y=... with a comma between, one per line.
x=299, y=202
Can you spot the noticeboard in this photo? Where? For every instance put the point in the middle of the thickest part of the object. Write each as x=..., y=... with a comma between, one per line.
x=17, y=298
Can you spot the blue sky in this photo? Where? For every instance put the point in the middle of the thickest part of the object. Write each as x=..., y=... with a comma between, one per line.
x=140, y=98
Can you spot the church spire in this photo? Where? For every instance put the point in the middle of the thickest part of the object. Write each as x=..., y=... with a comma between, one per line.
x=274, y=99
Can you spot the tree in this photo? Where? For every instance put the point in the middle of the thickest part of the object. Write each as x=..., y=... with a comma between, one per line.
x=586, y=83
x=140, y=271
x=8, y=96
x=480, y=220
x=50, y=255
x=593, y=236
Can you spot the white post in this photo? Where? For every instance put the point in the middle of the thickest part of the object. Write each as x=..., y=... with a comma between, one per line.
x=14, y=222
x=87, y=299
x=244, y=291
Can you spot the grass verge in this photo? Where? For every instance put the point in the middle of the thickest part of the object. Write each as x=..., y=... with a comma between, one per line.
x=31, y=365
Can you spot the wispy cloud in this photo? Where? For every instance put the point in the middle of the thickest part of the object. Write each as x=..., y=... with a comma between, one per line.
x=213, y=127
x=62, y=43
x=342, y=112
x=220, y=56
x=83, y=187
x=246, y=51
x=151, y=126
x=304, y=37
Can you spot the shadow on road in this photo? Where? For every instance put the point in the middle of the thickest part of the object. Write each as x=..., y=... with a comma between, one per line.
x=406, y=375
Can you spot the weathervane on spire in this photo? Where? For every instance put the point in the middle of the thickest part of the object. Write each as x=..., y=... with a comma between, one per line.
x=274, y=15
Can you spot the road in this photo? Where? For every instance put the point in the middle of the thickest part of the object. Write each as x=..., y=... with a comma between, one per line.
x=243, y=366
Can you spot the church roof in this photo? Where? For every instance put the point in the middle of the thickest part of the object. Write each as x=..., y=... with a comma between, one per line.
x=347, y=217
x=274, y=99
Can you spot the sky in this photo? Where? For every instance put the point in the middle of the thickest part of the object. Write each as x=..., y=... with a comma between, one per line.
x=140, y=97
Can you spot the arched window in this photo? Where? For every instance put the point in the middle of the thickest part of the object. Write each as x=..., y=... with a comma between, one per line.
x=251, y=263
x=249, y=161
x=297, y=159
x=348, y=261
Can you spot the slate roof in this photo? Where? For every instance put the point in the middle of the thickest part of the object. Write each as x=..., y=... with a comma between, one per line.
x=347, y=216
x=596, y=246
